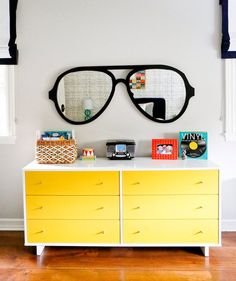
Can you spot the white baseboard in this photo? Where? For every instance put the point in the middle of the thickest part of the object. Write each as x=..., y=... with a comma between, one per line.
x=228, y=225
x=12, y=224
x=18, y=225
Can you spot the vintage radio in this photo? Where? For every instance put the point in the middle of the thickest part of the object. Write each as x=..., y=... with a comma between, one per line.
x=120, y=149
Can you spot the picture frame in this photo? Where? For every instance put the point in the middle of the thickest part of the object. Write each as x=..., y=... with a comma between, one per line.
x=165, y=149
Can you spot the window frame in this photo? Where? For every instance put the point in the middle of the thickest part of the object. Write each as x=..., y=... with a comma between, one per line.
x=11, y=137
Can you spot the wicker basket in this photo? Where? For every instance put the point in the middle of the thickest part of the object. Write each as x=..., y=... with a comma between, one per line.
x=56, y=152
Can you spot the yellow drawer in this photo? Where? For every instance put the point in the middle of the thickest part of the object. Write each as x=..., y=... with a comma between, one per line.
x=73, y=231
x=170, y=182
x=72, y=207
x=72, y=183
x=171, y=231
x=170, y=207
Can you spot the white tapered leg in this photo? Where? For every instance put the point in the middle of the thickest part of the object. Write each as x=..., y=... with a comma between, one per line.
x=205, y=251
x=39, y=250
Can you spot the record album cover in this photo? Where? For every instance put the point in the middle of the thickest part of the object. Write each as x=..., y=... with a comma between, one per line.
x=193, y=145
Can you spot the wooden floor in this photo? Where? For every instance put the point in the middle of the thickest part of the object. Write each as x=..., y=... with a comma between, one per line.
x=18, y=262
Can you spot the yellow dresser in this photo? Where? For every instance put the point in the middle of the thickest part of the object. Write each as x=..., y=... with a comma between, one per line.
x=72, y=207
x=141, y=202
x=179, y=207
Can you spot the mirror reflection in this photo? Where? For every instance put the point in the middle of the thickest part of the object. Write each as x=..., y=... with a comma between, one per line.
x=82, y=94
x=161, y=93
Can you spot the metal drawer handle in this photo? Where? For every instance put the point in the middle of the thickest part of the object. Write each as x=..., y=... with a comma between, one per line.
x=39, y=208
x=136, y=208
x=100, y=208
x=199, y=182
x=199, y=232
x=101, y=232
x=38, y=183
x=137, y=232
x=99, y=183
x=136, y=183
x=39, y=232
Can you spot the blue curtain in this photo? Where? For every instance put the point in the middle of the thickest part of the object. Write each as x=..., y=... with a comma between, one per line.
x=228, y=44
x=8, y=47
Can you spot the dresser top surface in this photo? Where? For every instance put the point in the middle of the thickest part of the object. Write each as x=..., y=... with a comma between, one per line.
x=138, y=163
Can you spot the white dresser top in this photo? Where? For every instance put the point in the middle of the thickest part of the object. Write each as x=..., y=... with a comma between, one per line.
x=137, y=163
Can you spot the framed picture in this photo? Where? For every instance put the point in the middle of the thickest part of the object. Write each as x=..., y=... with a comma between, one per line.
x=165, y=149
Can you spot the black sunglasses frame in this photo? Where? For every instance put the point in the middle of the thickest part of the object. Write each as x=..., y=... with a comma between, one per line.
x=134, y=69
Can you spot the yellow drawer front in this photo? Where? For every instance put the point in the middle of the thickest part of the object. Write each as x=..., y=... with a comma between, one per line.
x=73, y=231
x=170, y=207
x=72, y=207
x=72, y=183
x=171, y=231
x=170, y=182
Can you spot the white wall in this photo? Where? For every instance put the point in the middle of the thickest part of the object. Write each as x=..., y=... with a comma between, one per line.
x=56, y=35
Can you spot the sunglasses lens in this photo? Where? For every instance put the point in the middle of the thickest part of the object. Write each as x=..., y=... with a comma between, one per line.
x=82, y=94
x=160, y=93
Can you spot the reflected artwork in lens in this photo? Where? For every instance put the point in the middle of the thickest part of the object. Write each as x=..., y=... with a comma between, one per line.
x=161, y=93
x=82, y=94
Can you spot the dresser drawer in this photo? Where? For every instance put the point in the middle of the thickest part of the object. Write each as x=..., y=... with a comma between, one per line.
x=170, y=182
x=72, y=207
x=170, y=231
x=73, y=231
x=170, y=207
x=72, y=183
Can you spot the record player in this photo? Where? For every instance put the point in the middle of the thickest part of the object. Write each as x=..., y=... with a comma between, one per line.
x=120, y=149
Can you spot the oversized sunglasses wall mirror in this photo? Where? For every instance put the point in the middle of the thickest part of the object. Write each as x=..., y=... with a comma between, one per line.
x=159, y=92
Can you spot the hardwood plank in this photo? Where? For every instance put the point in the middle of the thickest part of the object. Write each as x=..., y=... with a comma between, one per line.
x=11, y=238
x=18, y=262
x=61, y=274
x=114, y=275
x=115, y=258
